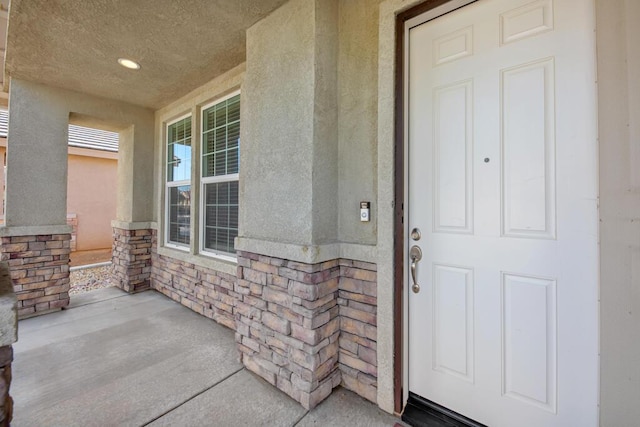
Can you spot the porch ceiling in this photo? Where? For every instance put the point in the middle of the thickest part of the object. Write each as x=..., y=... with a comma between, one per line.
x=180, y=44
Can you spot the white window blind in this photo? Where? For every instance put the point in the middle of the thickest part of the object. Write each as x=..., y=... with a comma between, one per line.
x=220, y=167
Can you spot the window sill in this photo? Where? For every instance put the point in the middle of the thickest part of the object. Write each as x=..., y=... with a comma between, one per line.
x=177, y=247
x=221, y=257
x=227, y=265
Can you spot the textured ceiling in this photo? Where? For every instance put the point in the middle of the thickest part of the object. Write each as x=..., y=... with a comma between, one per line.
x=181, y=44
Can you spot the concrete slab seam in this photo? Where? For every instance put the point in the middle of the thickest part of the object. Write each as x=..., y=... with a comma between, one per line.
x=192, y=397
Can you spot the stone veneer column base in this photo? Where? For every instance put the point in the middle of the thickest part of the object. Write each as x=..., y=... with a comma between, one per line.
x=131, y=259
x=6, y=402
x=358, y=328
x=39, y=269
x=288, y=325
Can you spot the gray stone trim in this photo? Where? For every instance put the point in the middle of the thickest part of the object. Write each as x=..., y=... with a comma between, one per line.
x=308, y=254
x=34, y=230
x=126, y=225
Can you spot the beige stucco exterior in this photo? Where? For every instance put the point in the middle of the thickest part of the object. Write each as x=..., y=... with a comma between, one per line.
x=318, y=111
x=91, y=196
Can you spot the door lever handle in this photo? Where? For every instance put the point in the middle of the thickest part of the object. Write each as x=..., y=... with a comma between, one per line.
x=415, y=253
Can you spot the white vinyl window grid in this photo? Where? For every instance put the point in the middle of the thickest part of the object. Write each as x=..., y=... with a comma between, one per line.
x=204, y=180
x=173, y=184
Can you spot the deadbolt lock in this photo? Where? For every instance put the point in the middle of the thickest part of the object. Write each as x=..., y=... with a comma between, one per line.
x=415, y=234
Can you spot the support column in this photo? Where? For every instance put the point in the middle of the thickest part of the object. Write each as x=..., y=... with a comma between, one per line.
x=287, y=318
x=131, y=256
x=8, y=336
x=36, y=237
x=132, y=230
x=287, y=324
x=39, y=266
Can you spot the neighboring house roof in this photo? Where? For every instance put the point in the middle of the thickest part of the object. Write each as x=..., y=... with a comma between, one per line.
x=4, y=123
x=79, y=136
x=97, y=139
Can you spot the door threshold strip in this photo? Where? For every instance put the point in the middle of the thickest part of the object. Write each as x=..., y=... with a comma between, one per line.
x=421, y=412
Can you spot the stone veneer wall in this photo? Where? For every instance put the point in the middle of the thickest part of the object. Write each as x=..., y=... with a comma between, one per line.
x=131, y=259
x=39, y=269
x=288, y=324
x=6, y=402
x=358, y=326
x=205, y=291
x=304, y=328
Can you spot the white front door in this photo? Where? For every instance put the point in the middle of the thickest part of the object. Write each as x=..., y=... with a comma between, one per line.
x=502, y=184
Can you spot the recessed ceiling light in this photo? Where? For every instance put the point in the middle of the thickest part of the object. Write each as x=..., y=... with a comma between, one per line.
x=127, y=63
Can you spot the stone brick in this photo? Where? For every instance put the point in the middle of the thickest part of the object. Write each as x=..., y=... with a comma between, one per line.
x=264, y=267
x=257, y=368
x=29, y=295
x=304, y=359
x=20, y=239
x=276, y=323
x=358, y=286
x=277, y=297
x=365, y=299
x=53, y=244
x=359, y=274
x=286, y=313
x=348, y=345
x=367, y=391
x=15, y=247
x=362, y=307
x=303, y=290
x=328, y=329
x=362, y=366
x=255, y=276
x=56, y=289
x=252, y=344
x=363, y=316
x=309, y=336
x=368, y=355
x=279, y=281
x=356, y=327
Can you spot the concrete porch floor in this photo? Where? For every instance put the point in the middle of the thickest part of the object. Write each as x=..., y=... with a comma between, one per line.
x=115, y=359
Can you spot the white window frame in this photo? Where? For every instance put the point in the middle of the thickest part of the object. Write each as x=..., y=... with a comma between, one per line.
x=172, y=184
x=213, y=180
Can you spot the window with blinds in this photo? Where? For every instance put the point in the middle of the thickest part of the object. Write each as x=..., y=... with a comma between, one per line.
x=178, y=185
x=220, y=167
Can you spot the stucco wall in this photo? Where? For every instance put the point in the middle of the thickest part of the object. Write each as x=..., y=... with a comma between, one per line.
x=37, y=153
x=358, y=119
x=289, y=144
x=3, y=150
x=91, y=195
x=618, y=32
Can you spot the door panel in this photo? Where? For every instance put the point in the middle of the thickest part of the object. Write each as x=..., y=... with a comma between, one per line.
x=502, y=183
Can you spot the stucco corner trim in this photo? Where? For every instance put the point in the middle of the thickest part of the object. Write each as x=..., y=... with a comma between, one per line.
x=34, y=230
x=126, y=225
x=309, y=254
